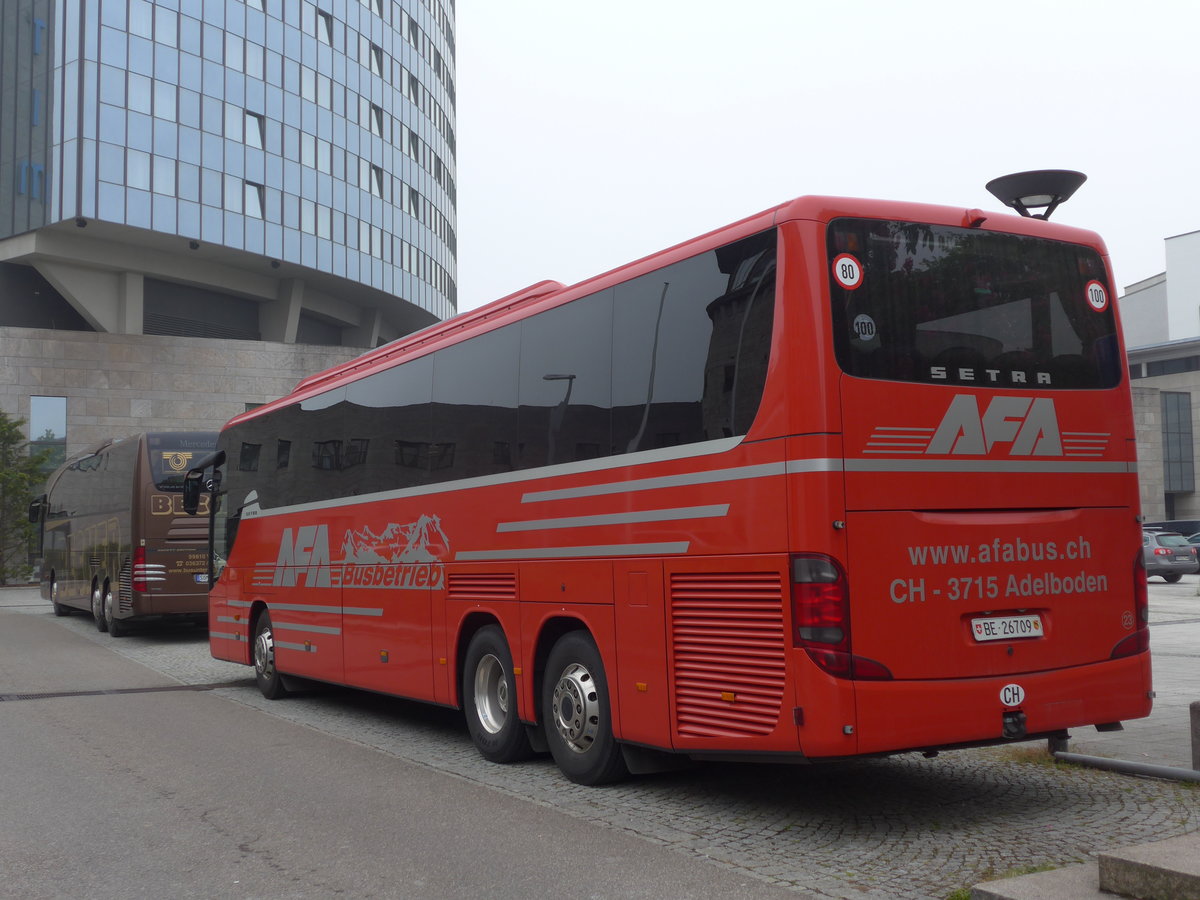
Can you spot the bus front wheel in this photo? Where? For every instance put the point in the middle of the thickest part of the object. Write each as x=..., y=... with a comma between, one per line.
x=59, y=609
x=269, y=681
x=490, y=698
x=576, y=713
x=98, y=609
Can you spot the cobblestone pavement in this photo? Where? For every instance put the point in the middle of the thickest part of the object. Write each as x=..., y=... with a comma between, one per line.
x=903, y=827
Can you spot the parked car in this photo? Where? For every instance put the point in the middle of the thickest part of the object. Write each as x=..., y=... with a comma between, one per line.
x=1168, y=554
x=1194, y=538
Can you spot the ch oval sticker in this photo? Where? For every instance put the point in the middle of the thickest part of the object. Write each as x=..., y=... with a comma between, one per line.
x=1012, y=695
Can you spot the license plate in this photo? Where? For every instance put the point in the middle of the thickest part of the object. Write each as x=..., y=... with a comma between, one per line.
x=201, y=579
x=1006, y=628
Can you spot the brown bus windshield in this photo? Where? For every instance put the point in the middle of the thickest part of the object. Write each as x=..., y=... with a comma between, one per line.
x=936, y=304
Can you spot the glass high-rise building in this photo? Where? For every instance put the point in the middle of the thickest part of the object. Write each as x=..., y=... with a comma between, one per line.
x=202, y=201
x=276, y=170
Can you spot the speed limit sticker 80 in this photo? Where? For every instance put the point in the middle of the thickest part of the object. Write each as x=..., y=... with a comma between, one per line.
x=847, y=271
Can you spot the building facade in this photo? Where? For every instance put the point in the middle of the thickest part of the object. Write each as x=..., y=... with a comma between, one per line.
x=1161, y=320
x=233, y=192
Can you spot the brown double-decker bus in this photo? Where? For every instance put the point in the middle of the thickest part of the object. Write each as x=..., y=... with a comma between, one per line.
x=113, y=536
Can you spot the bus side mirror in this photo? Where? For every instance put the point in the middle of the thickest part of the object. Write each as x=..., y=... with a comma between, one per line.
x=193, y=484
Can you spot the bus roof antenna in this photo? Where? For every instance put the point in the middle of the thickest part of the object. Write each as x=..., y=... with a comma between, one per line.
x=1042, y=189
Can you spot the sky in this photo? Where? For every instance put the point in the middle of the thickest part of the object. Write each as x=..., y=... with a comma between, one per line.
x=592, y=134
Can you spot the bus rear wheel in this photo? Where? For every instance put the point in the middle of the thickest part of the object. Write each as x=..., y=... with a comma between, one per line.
x=98, y=609
x=489, y=692
x=576, y=713
x=269, y=681
x=114, y=626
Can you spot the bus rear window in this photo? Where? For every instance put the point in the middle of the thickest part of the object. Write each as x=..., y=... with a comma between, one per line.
x=936, y=304
x=171, y=455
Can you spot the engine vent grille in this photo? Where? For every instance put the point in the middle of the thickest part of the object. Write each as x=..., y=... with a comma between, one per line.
x=727, y=635
x=482, y=586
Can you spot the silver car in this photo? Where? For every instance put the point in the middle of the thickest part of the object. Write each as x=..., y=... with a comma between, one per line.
x=1168, y=554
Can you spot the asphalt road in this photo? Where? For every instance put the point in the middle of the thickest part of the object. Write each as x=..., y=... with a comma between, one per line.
x=110, y=790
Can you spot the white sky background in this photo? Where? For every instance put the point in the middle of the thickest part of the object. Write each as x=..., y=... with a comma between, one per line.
x=591, y=134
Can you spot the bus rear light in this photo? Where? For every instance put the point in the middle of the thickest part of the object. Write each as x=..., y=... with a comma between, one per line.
x=1139, y=641
x=821, y=619
x=139, y=569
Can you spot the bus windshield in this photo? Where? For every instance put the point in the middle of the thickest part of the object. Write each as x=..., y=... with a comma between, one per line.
x=937, y=304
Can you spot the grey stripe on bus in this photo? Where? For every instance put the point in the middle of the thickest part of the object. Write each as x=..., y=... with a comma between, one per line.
x=626, y=518
x=567, y=552
x=303, y=648
x=295, y=626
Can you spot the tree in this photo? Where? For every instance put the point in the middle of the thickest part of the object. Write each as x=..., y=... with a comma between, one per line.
x=20, y=476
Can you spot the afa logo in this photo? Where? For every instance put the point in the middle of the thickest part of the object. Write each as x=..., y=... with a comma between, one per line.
x=403, y=557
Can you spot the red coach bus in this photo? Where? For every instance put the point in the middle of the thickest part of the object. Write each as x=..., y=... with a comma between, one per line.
x=843, y=478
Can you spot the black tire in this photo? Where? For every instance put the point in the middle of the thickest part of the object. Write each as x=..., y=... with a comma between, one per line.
x=115, y=627
x=576, y=714
x=59, y=609
x=269, y=681
x=98, y=609
x=1172, y=578
x=489, y=692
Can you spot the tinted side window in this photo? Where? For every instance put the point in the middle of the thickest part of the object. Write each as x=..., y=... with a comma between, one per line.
x=475, y=406
x=566, y=390
x=389, y=428
x=691, y=344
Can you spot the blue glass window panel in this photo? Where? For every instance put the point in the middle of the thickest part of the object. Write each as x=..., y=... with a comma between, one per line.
x=273, y=72
x=189, y=145
x=110, y=202
x=140, y=132
x=213, y=115
x=211, y=220
x=141, y=55
x=166, y=27
x=275, y=31
x=164, y=100
x=188, y=181
x=235, y=52
x=141, y=18
x=272, y=205
x=291, y=245
x=255, y=60
x=235, y=88
x=166, y=64
x=308, y=250
x=140, y=96
x=256, y=25
x=252, y=199
x=213, y=152
x=214, y=11
x=165, y=214
x=291, y=210
x=255, y=236
x=210, y=187
x=233, y=194
x=235, y=158
x=191, y=70
x=164, y=175
x=234, y=230
x=112, y=163
x=308, y=217
x=291, y=176
x=112, y=13
x=189, y=108
x=189, y=35
x=137, y=167
x=189, y=219
x=137, y=208
x=214, y=43
x=112, y=124
x=214, y=79
x=255, y=96
x=235, y=118
x=291, y=76
x=113, y=47
x=112, y=85
x=274, y=239
x=166, y=138
x=256, y=169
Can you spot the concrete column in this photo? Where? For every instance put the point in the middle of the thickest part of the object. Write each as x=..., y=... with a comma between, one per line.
x=278, y=319
x=366, y=333
x=131, y=302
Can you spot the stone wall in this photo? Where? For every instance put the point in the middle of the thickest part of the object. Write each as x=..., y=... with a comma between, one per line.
x=118, y=384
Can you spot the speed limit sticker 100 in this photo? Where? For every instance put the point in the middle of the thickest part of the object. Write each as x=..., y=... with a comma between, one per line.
x=847, y=271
